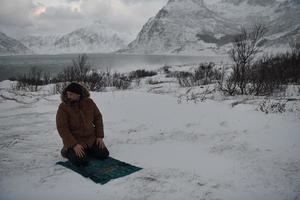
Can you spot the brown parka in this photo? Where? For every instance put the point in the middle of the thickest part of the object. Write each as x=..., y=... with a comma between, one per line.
x=80, y=122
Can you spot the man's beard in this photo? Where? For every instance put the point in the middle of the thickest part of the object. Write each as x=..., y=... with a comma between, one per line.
x=72, y=101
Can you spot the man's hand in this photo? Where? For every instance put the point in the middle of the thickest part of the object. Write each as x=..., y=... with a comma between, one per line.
x=100, y=143
x=79, y=150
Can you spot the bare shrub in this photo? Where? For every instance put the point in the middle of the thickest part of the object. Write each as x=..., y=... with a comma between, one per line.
x=78, y=71
x=288, y=67
x=66, y=75
x=294, y=45
x=245, y=47
x=272, y=106
x=185, y=79
x=203, y=75
x=81, y=67
x=207, y=74
x=196, y=96
x=47, y=78
x=96, y=81
x=166, y=69
x=59, y=87
x=151, y=81
x=262, y=78
x=141, y=73
x=81, y=71
x=272, y=73
x=267, y=75
x=121, y=81
x=32, y=80
x=137, y=82
x=229, y=86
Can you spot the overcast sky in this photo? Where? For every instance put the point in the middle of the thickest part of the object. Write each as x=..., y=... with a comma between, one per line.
x=19, y=17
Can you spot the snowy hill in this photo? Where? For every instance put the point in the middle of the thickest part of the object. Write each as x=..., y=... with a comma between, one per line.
x=10, y=46
x=95, y=38
x=208, y=26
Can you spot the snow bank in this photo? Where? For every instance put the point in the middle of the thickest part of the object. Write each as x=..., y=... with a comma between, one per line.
x=208, y=150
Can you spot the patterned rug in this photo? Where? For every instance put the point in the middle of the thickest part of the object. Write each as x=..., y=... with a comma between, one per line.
x=102, y=171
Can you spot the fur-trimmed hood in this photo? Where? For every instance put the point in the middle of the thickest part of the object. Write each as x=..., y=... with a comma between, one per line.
x=81, y=122
x=85, y=94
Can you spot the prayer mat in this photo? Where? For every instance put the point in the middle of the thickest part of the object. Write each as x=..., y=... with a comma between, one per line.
x=102, y=171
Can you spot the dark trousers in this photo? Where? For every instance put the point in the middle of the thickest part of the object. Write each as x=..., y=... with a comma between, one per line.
x=83, y=161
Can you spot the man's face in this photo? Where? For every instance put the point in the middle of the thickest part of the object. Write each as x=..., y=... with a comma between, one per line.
x=72, y=97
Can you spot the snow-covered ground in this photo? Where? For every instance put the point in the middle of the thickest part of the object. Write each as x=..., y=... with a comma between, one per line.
x=220, y=148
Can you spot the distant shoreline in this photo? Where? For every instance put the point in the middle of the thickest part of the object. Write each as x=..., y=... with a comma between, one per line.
x=11, y=66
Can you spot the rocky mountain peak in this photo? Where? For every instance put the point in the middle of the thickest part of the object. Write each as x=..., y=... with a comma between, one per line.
x=10, y=45
x=251, y=2
x=93, y=38
x=208, y=26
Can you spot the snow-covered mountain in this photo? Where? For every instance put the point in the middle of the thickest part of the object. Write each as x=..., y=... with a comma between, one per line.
x=40, y=44
x=208, y=26
x=10, y=46
x=95, y=38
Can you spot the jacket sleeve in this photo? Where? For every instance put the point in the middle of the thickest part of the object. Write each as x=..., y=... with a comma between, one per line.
x=98, y=121
x=62, y=126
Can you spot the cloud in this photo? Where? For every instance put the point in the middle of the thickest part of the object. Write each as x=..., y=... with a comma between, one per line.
x=58, y=20
x=59, y=13
x=16, y=12
x=121, y=14
x=69, y=1
x=143, y=1
x=100, y=8
x=62, y=16
x=39, y=11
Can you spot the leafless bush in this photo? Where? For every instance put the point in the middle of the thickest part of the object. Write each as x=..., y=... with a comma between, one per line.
x=203, y=75
x=268, y=74
x=151, y=81
x=81, y=71
x=272, y=106
x=81, y=67
x=288, y=67
x=32, y=80
x=166, y=69
x=78, y=71
x=121, y=81
x=262, y=78
x=47, y=78
x=137, y=82
x=185, y=79
x=245, y=47
x=294, y=45
x=272, y=73
x=67, y=75
x=196, y=96
x=229, y=86
x=96, y=81
x=59, y=87
x=141, y=73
